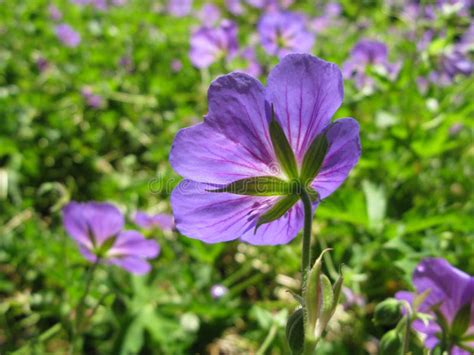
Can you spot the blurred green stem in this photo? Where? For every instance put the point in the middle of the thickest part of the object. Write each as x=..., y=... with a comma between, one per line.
x=77, y=327
x=268, y=340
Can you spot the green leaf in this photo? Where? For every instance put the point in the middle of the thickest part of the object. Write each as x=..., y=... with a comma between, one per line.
x=259, y=186
x=325, y=312
x=461, y=321
x=313, y=159
x=278, y=210
x=282, y=148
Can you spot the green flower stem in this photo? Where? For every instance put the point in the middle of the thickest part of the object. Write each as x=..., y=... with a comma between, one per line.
x=77, y=327
x=268, y=340
x=309, y=341
x=308, y=220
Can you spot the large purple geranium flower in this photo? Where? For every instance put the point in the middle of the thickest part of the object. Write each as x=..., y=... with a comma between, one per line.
x=450, y=290
x=282, y=33
x=210, y=44
x=234, y=143
x=98, y=230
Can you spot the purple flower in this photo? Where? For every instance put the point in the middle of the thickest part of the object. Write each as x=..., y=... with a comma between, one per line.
x=94, y=101
x=330, y=13
x=218, y=291
x=252, y=67
x=180, y=8
x=67, y=35
x=234, y=143
x=209, y=14
x=369, y=54
x=451, y=64
x=450, y=290
x=54, y=13
x=162, y=221
x=176, y=65
x=42, y=64
x=98, y=230
x=282, y=33
x=210, y=44
x=235, y=7
x=270, y=4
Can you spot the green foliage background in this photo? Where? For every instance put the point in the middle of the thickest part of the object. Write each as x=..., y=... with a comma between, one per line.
x=410, y=196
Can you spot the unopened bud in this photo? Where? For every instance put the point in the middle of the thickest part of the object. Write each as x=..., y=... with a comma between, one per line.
x=388, y=312
x=295, y=331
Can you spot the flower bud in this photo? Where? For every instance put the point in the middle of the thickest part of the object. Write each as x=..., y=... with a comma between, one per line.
x=391, y=343
x=320, y=298
x=388, y=312
x=295, y=331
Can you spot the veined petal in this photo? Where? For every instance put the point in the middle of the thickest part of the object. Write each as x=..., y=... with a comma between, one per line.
x=133, y=243
x=237, y=109
x=99, y=221
x=342, y=155
x=306, y=92
x=447, y=284
x=219, y=217
x=204, y=154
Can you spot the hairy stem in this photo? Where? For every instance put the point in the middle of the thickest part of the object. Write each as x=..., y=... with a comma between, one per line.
x=308, y=220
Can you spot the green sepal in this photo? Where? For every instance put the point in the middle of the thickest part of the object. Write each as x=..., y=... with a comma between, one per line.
x=259, y=186
x=279, y=209
x=326, y=307
x=295, y=331
x=101, y=251
x=314, y=157
x=461, y=320
x=282, y=148
x=312, y=294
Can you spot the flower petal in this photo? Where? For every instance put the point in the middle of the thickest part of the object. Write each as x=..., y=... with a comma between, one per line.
x=342, y=155
x=132, y=264
x=204, y=154
x=280, y=231
x=219, y=217
x=447, y=285
x=132, y=243
x=237, y=109
x=306, y=92
x=102, y=220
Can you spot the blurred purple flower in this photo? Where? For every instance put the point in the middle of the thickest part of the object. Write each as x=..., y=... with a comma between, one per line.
x=422, y=84
x=119, y=2
x=42, y=64
x=282, y=33
x=180, y=8
x=176, y=65
x=352, y=299
x=218, y=291
x=54, y=13
x=450, y=290
x=209, y=14
x=272, y=5
x=369, y=54
x=235, y=7
x=99, y=4
x=94, y=101
x=81, y=2
x=210, y=44
x=161, y=221
x=126, y=62
x=253, y=67
x=98, y=230
x=455, y=129
x=67, y=35
x=329, y=18
x=234, y=143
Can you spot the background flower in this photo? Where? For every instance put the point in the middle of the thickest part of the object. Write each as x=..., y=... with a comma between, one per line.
x=98, y=230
